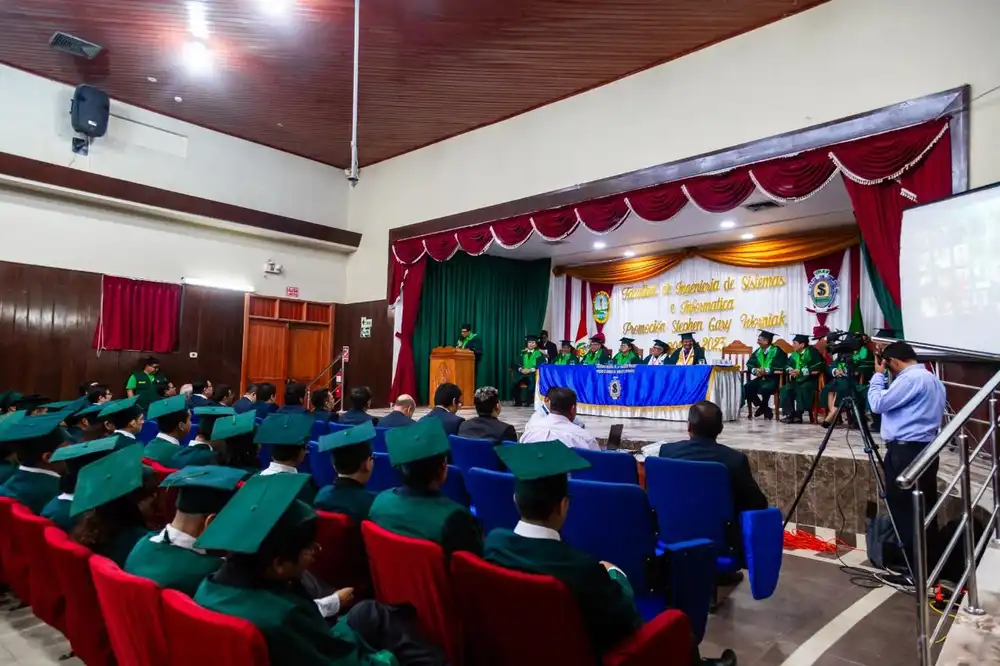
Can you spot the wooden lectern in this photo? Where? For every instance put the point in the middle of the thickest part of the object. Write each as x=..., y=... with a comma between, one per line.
x=457, y=366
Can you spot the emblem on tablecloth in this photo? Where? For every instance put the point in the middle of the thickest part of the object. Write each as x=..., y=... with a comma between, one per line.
x=615, y=388
x=823, y=290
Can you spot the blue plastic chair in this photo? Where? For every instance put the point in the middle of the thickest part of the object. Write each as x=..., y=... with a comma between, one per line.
x=319, y=428
x=454, y=487
x=467, y=453
x=378, y=444
x=264, y=455
x=384, y=475
x=320, y=465
x=608, y=466
x=492, y=495
x=148, y=432
x=693, y=500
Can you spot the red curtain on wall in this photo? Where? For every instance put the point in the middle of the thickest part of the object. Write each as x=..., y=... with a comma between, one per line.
x=138, y=315
x=411, y=280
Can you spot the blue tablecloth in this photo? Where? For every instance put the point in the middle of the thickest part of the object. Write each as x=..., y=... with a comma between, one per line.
x=646, y=391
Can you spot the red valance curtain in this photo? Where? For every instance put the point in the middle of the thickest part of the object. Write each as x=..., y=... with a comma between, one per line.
x=138, y=315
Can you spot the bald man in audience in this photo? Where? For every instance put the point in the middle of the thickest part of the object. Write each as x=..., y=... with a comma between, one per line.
x=401, y=414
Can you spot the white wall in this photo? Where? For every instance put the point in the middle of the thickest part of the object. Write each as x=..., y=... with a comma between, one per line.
x=839, y=59
x=152, y=149
x=44, y=230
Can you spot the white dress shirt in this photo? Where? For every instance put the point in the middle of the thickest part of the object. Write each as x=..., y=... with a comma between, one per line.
x=557, y=427
x=126, y=434
x=176, y=538
x=37, y=470
x=529, y=531
x=167, y=438
x=656, y=360
x=278, y=468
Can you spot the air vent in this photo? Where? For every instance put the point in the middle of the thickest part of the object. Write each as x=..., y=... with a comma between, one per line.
x=763, y=205
x=74, y=46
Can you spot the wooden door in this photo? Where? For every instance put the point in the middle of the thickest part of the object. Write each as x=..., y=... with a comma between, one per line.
x=265, y=357
x=308, y=353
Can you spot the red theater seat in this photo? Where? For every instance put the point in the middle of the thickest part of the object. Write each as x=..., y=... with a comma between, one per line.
x=341, y=561
x=15, y=567
x=47, y=599
x=200, y=636
x=132, y=612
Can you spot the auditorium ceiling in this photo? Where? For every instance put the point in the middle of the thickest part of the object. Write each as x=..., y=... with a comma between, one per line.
x=278, y=72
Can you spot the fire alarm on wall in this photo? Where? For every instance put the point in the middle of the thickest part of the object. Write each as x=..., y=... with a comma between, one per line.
x=272, y=268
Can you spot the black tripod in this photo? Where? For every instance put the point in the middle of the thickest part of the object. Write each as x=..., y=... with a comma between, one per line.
x=850, y=404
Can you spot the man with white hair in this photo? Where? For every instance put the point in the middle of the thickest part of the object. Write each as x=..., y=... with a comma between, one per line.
x=401, y=414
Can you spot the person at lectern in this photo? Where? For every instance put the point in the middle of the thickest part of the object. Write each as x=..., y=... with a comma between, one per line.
x=567, y=354
x=657, y=354
x=527, y=364
x=471, y=341
x=764, y=368
x=688, y=353
x=805, y=367
x=627, y=354
x=597, y=354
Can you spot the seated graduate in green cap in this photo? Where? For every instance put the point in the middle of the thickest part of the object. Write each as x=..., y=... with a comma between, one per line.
x=597, y=353
x=567, y=354
x=842, y=383
x=74, y=458
x=805, y=367
x=169, y=557
x=174, y=421
x=8, y=457
x=202, y=450
x=127, y=418
x=286, y=436
x=114, y=498
x=527, y=363
x=34, y=440
x=78, y=416
x=269, y=536
x=418, y=509
x=352, y=458
x=7, y=401
x=627, y=354
x=33, y=404
x=764, y=368
x=657, y=354
x=689, y=353
x=239, y=450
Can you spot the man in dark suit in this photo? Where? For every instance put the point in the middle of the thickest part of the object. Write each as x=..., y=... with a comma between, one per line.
x=295, y=394
x=547, y=346
x=201, y=393
x=246, y=403
x=486, y=425
x=401, y=414
x=447, y=400
x=265, y=405
x=361, y=401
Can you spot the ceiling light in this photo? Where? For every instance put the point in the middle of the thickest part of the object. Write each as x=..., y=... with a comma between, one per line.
x=600, y=245
x=197, y=57
x=232, y=285
x=197, y=19
x=747, y=236
x=151, y=79
x=629, y=253
x=727, y=224
x=178, y=98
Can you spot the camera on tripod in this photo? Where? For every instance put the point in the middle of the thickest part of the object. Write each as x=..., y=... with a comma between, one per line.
x=843, y=343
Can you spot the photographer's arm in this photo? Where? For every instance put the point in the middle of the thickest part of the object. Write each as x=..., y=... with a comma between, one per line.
x=882, y=399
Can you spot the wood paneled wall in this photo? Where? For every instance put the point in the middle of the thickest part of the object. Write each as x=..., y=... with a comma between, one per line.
x=371, y=358
x=47, y=322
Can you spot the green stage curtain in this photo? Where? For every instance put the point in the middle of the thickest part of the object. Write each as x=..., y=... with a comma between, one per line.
x=503, y=299
x=890, y=309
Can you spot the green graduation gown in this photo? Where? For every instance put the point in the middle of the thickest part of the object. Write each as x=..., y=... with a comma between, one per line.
x=528, y=360
x=32, y=489
x=171, y=566
x=599, y=357
x=118, y=549
x=606, y=604
x=473, y=343
x=675, y=357
x=626, y=358
x=293, y=628
x=346, y=496
x=774, y=359
x=864, y=368
x=802, y=388
x=195, y=453
x=7, y=469
x=428, y=514
x=57, y=510
x=566, y=359
x=161, y=450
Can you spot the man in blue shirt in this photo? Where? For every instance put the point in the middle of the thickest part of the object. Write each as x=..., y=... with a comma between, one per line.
x=911, y=409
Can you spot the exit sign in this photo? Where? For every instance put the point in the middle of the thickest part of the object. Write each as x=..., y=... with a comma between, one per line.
x=292, y=292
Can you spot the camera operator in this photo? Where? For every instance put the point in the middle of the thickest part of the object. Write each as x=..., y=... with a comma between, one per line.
x=911, y=409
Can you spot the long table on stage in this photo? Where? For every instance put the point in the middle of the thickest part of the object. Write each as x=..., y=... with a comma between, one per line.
x=663, y=392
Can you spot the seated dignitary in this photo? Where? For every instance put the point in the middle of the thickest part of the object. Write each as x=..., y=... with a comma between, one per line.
x=351, y=451
x=689, y=353
x=567, y=354
x=657, y=354
x=541, y=493
x=597, y=353
x=361, y=402
x=270, y=540
x=447, y=400
x=764, y=368
x=127, y=418
x=169, y=558
x=239, y=450
x=202, y=450
x=401, y=414
x=174, y=422
x=627, y=354
x=419, y=509
x=486, y=424
x=34, y=439
x=527, y=363
x=559, y=424
x=74, y=458
x=113, y=499
x=804, y=368
x=286, y=436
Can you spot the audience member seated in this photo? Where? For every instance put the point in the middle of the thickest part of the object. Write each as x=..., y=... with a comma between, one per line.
x=34, y=441
x=74, y=458
x=259, y=582
x=239, y=450
x=246, y=403
x=295, y=395
x=266, y=404
x=486, y=424
x=202, y=393
x=322, y=405
x=7, y=400
x=98, y=394
x=82, y=422
x=127, y=418
x=202, y=450
x=224, y=395
x=286, y=435
x=166, y=390
x=351, y=451
x=174, y=422
x=361, y=402
x=419, y=509
x=114, y=498
x=8, y=460
x=543, y=410
x=601, y=590
x=32, y=405
x=169, y=558
x=401, y=414
x=559, y=424
x=447, y=400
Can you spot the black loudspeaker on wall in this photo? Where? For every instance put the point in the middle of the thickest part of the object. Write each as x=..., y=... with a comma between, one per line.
x=90, y=111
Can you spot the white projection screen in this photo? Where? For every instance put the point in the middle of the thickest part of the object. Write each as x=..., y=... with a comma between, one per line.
x=950, y=271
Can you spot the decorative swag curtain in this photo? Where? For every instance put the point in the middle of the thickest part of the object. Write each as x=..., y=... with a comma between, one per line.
x=138, y=315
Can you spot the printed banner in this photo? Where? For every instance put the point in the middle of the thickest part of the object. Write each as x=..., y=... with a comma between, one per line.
x=676, y=387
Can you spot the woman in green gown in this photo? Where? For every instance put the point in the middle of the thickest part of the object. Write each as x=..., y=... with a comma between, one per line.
x=840, y=385
x=627, y=353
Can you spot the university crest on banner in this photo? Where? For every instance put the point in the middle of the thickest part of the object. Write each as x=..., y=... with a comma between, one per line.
x=823, y=290
x=602, y=307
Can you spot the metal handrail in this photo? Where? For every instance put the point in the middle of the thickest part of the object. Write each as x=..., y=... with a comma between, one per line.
x=338, y=403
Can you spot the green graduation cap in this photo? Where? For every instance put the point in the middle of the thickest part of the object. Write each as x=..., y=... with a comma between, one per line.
x=239, y=424
x=90, y=411
x=627, y=341
x=687, y=336
x=356, y=435
x=103, y=445
x=116, y=407
x=423, y=439
x=529, y=462
x=264, y=504
x=8, y=398
x=30, y=402
x=33, y=427
x=204, y=489
x=285, y=430
x=166, y=406
x=213, y=410
x=107, y=479
x=663, y=345
x=802, y=339
x=11, y=417
x=56, y=406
